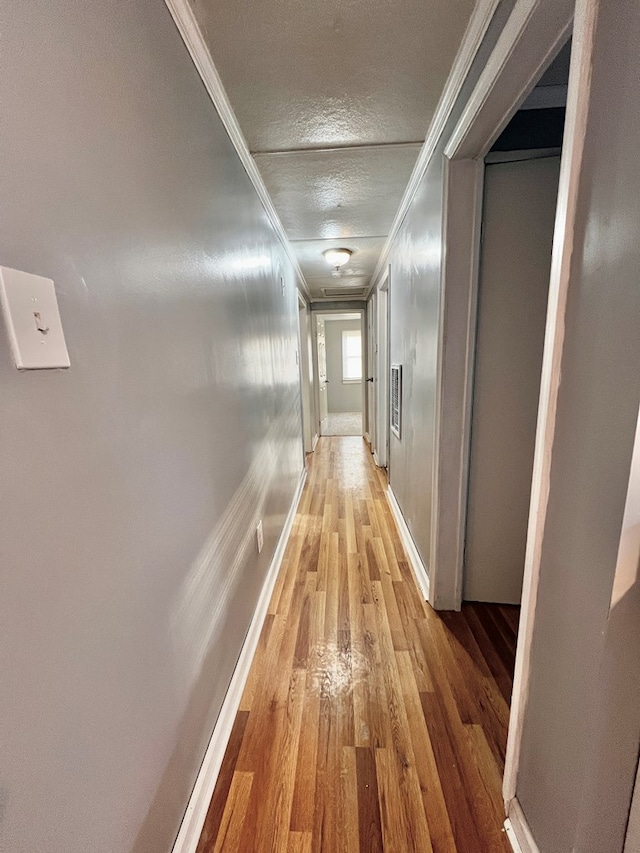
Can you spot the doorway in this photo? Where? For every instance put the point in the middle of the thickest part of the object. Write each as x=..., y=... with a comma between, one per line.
x=518, y=218
x=340, y=358
x=381, y=368
x=305, y=362
x=520, y=136
x=520, y=191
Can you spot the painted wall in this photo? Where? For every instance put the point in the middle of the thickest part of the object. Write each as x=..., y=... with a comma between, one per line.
x=342, y=397
x=582, y=720
x=414, y=303
x=131, y=483
x=518, y=219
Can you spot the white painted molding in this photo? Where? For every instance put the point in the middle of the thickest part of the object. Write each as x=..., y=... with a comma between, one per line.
x=461, y=225
x=471, y=41
x=188, y=27
x=570, y=173
x=314, y=442
x=375, y=459
x=523, y=45
x=518, y=830
x=511, y=835
x=194, y=817
x=419, y=568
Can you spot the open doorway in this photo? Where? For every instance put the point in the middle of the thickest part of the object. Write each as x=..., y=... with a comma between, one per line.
x=501, y=178
x=521, y=179
x=305, y=362
x=339, y=338
x=380, y=366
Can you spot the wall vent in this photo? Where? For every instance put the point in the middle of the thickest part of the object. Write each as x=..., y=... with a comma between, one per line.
x=349, y=292
x=396, y=399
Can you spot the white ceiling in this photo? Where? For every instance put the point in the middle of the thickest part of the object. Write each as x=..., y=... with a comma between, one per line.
x=334, y=99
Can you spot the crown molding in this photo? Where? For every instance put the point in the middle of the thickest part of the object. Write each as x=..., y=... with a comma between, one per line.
x=471, y=41
x=189, y=29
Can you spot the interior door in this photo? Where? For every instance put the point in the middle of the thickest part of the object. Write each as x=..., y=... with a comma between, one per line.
x=322, y=374
x=382, y=377
x=371, y=371
x=515, y=265
x=305, y=377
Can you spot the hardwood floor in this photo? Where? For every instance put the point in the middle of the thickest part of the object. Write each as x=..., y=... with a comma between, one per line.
x=368, y=722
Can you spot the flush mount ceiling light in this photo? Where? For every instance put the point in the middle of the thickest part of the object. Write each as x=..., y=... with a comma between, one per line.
x=337, y=257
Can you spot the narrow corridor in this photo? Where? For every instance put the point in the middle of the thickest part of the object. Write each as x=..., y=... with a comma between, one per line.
x=368, y=722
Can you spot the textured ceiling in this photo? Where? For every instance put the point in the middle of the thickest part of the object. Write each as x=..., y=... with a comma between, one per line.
x=360, y=75
x=341, y=193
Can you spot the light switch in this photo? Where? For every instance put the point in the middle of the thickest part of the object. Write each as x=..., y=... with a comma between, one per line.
x=32, y=320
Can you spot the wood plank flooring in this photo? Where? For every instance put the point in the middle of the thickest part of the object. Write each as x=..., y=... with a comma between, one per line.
x=368, y=722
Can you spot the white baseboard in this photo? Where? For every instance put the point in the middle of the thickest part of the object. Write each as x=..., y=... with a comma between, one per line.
x=314, y=442
x=367, y=438
x=194, y=817
x=518, y=831
x=419, y=568
x=375, y=459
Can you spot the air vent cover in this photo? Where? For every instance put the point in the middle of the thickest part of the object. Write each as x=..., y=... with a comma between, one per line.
x=349, y=292
x=396, y=399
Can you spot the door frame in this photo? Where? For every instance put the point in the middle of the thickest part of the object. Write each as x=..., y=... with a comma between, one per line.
x=318, y=310
x=307, y=403
x=370, y=373
x=381, y=375
x=532, y=36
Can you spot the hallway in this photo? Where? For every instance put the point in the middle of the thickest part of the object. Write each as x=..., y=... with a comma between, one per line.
x=368, y=722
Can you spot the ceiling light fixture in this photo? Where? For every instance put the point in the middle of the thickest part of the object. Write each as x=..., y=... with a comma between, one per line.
x=337, y=257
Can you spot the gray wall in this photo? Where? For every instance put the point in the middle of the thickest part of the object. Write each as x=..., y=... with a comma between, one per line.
x=581, y=725
x=518, y=219
x=341, y=397
x=414, y=303
x=131, y=483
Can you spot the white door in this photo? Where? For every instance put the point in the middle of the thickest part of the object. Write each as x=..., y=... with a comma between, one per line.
x=382, y=376
x=371, y=371
x=322, y=374
x=305, y=376
x=515, y=265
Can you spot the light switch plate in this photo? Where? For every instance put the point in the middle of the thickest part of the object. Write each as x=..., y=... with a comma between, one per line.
x=32, y=320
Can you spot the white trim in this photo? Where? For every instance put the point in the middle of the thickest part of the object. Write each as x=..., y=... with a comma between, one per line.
x=419, y=568
x=518, y=831
x=376, y=459
x=194, y=817
x=512, y=837
x=314, y=442
x=570, y=171
x=188, y=27
x=461, y=225
x=523, y=50
x=471, y=41
x=382, y=362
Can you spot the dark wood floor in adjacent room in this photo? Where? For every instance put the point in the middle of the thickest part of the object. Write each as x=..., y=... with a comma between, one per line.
x=369, y=722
